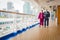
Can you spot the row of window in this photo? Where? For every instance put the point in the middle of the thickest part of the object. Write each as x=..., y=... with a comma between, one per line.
x=9, y=22
x=6, y=22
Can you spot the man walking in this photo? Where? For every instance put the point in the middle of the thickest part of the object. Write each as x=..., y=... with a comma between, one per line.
x=46, y=18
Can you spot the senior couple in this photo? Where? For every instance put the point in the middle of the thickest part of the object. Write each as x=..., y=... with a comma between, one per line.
x=44, y=18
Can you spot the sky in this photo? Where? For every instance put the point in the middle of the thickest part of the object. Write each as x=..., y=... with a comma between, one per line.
x=16, y=3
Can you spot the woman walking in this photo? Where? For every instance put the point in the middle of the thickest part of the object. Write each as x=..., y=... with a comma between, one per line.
x=41, y=18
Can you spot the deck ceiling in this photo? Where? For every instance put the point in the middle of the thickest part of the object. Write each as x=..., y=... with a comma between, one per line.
x=49, y=2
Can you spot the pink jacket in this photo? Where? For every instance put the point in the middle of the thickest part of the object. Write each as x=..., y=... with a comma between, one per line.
x=41, y=15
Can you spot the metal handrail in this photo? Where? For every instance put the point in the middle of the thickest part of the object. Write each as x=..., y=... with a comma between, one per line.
x=15, y=12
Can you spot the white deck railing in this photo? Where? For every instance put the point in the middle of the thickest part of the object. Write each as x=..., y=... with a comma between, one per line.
x=12, y=21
